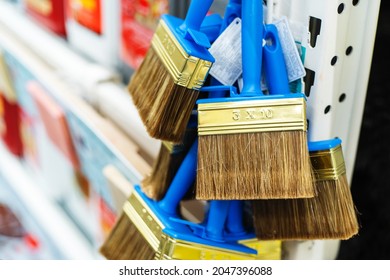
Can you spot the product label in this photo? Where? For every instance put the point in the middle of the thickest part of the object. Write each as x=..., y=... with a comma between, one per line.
x=227, y=53
x=295, y=68
x=87, y=13
x=139, y=20
x=44, y=7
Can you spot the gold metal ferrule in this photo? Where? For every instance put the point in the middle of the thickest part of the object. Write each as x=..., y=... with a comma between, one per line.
x=263, y=115
x=187, y=71
x=144, y=219
x=328, y=164
x=168, y=145
x=266, y=249
x=173, y=148
x=174, y=249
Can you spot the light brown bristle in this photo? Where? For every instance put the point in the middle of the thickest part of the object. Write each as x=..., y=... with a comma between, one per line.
x=163, y=106
x=164, y=169
x=125, y=242
x=330, y=215
x=266, y=165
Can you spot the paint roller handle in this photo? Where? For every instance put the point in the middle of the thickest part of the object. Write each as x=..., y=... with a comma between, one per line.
x=274, y=64
x=181, y=183
x=252, y=34
x=196, y=14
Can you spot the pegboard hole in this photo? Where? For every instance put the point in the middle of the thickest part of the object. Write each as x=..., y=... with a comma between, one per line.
x=355, y=2
x=340, y=9
x=349, y=50
x=334, y=60
x=327, y=109
x=342, y=97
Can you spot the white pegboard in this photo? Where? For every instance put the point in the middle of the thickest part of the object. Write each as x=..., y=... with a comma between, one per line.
x=340, y=59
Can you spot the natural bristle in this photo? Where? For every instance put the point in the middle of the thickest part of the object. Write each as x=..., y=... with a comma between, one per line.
x=125, y=242
x=267, y=165
x=330, y=215
x=164, y=169
x=163, y=106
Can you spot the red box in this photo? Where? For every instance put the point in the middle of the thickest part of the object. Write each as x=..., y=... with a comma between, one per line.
x=50, y=13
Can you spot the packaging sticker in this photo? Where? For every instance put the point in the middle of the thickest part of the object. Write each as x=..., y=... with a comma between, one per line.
x=295, y=68
x=227, y=53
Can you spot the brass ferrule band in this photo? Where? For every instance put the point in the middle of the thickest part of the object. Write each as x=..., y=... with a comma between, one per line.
x=328, y=164
x=264, y=115
x=144, y=219
x=172, y=147
x=187, y=71
x=174, y=249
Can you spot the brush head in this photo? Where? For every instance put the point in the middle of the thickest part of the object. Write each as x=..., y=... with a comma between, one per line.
x=164, y=169
x=330, y=215
x=165, y=87
x=168, y=161
x=253, y=148
x=125, y=242
x=264, y=167
x=163, y=106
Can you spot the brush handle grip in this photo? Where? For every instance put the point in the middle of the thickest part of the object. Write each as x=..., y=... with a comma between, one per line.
x=324, y=144
x=252, y=34
x=274, y=64
x=217, y=215
x=232, y=11
x=183, y=180
x=234, y=222
x=195, y=14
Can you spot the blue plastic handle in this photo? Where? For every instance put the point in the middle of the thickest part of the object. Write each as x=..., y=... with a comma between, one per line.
x=183, y=180
x=324, y=144
x=216, y=218
x=252, y=34
x=274, y=64
x=232, y=11
x=234, y=224
x=196, y=13
x=211, y=26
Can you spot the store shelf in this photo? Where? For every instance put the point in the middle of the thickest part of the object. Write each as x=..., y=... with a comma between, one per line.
x=88, y=79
